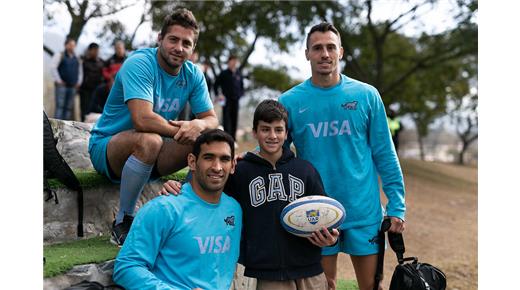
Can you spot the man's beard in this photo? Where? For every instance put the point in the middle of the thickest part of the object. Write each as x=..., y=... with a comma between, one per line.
x=166, y=61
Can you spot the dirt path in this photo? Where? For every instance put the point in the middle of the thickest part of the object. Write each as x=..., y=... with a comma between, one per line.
x=441, y=222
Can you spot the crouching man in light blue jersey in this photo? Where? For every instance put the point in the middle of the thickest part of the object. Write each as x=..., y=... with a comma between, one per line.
x=339, y=125
x=136, y=139
x=190, y=241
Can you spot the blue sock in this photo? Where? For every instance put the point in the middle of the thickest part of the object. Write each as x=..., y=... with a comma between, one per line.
x=133, y=178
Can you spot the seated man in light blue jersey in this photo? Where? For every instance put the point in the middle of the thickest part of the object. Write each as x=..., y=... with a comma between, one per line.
x=190, y=241
x=136, y=139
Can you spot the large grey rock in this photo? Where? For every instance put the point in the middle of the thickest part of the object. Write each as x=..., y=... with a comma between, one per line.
x=101, y=273
x=100, y=206
x=72, y=144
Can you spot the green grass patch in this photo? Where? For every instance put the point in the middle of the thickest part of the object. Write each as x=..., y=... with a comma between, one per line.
x=347, y=285
x=59, y=258
x=89, y=178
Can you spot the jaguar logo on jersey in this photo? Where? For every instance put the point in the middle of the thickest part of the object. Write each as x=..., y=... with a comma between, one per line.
x=374, y=240
x=313, y=216
x=181, y=83
x=350, y=105
x=230, y=220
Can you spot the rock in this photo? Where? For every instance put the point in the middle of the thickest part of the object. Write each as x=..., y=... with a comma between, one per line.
x=100, y=205
x=101, y=273
x=73, y=140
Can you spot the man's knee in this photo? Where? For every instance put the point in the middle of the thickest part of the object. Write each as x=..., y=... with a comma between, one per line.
x=148, y=145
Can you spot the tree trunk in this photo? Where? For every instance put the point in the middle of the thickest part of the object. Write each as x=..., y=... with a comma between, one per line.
x=76, y=27
x=462, y=152
x=421, y=146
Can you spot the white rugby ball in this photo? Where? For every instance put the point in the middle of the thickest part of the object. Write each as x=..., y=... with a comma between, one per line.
x=308, y=214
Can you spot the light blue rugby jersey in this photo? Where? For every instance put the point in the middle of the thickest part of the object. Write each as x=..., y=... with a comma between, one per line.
x=343, y=132
x=181, y=242
x=141, y=77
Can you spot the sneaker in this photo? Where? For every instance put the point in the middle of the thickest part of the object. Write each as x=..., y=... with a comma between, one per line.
x=120, y=231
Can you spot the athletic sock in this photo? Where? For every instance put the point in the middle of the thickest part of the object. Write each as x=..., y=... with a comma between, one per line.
x=133, y=178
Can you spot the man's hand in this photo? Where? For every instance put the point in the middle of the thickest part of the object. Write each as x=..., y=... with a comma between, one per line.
x=397, y=225
x=323, y=238
x=188, y=130
x=170, y=186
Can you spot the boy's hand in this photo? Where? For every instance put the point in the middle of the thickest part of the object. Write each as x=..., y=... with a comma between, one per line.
x=170, y=186
x=324, y=238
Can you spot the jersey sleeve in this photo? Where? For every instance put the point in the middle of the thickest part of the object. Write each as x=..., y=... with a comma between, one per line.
x=385, y=157
x=149, y=231
x=136, y=75
x=200, y=100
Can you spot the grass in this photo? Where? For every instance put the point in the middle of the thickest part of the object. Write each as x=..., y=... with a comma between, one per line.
x=59, y=258
x=89, y=178
x=347, y=285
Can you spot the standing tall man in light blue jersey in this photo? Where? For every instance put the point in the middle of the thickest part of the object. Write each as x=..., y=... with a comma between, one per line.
x=192, y=240
x=339, y=125
x=135, y=138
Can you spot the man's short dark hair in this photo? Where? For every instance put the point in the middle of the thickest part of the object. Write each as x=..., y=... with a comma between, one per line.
x=184, y=18
x=213, y=135
x=92, y=46
x=269, y=111
x=69, y=39
x=231, y=57
x=323, y=27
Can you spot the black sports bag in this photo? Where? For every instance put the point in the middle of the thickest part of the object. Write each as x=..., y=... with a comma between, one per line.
x=407, y=276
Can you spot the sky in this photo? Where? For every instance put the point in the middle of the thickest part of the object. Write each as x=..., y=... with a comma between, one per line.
x=433, y=19
x=21, y=210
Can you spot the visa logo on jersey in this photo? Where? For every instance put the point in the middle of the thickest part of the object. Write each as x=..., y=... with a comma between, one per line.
x=330, y=128
x=214, y=244
x=167, y=105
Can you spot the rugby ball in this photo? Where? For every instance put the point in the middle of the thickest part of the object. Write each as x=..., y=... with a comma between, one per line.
x=308, y=214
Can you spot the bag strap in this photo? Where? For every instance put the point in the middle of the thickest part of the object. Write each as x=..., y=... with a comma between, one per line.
x=381, y=254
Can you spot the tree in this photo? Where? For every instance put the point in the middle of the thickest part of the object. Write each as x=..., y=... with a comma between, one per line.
x=463, y=106
x=115, y=30
x=234, y=27
x=465, y=118
x=276, y=79
x=83, y=11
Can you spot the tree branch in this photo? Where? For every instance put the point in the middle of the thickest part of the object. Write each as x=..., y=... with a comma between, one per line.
x=97, y=12
x=248, y=53
x=48, y=50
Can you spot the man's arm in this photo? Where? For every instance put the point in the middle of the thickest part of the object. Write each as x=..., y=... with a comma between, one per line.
x=386, y=161
x=56, y=59
x=133, y=264
x=146, y=120
x=80, y=72
x=188, y=131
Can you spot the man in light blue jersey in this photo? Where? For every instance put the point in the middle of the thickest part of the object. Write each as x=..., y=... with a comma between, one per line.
x=135, y=138
x=192, y=240
x=339, y=125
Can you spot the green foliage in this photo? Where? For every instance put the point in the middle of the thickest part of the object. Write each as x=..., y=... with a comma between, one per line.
x=234, y=26
x=276, y=79
x=60, y=258
x=90, y=178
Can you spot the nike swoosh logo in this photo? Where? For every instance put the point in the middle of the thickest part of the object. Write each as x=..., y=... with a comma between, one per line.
x=302, y=110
